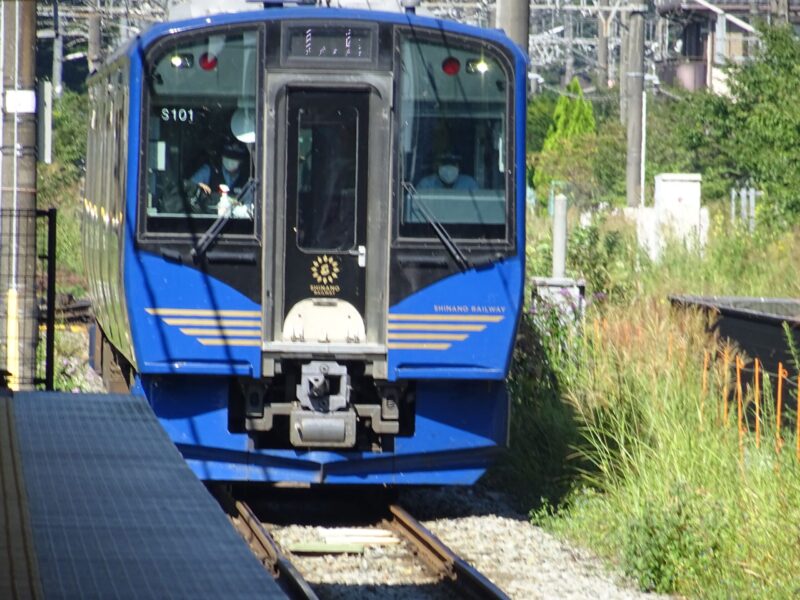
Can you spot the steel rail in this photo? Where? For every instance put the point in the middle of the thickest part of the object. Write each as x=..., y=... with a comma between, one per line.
x=267, y=551
x=441, y=559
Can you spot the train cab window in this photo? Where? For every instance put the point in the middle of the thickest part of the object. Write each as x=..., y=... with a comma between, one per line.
x=201, y=134
x=454, y=164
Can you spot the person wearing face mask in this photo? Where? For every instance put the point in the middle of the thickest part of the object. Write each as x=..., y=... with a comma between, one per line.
x=233, y=172
x=448, y=176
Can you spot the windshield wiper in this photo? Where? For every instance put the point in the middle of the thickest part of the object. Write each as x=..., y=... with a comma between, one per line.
x=212, y=233
x=447, y=241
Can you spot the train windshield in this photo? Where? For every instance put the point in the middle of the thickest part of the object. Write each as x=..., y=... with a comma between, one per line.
x=201, y=155
x=453, y=128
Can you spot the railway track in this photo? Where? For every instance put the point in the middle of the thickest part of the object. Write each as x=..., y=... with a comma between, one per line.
x=267, y=551
x=69, y=311
x=465, y=578
x=439, y=571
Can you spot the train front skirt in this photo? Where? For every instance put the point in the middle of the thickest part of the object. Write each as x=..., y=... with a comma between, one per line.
x=460, y=428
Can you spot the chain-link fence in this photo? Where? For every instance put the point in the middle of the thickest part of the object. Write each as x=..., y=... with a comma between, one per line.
x=27, y=292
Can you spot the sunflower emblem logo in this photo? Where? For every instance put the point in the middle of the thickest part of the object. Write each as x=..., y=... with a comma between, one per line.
x=325, y=269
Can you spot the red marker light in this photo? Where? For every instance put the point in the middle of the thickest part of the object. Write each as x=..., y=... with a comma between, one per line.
x=208, y=62
x=451, y=66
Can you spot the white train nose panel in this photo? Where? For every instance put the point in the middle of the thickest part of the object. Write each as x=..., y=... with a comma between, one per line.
x=326, y=321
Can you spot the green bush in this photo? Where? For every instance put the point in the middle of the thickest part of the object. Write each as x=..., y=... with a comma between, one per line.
x=673, y=539
x=59, y=186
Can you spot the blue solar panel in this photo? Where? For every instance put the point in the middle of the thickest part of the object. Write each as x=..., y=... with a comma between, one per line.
x=116, y=513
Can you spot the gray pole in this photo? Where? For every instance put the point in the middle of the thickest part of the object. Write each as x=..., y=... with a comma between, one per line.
x=782, y=11
x=624, y=35
x=635, y=87
x=58, y=52
x=743, y=204
x=94, y=58
x=602, y=47
x=569, y=56
x=513, y=17
x=559, y=236
x=18, y=322
x=44, y=130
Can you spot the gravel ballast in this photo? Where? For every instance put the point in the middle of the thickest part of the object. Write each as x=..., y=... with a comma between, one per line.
x=479, y=525
x=523, y=560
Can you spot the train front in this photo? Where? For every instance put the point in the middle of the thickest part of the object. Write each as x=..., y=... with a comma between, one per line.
x=327, y=269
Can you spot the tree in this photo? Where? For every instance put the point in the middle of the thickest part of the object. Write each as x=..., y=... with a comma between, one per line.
x=752, y=135
x=765, y=120
x=573, y=118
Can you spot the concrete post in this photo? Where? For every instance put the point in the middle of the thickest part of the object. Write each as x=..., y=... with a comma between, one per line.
x=743, y=204
x=569, y=56
x=635, y=87
x=602, y=48
x=624, y=34
x=95, y=52
x=513, y=17
x=560, y=236
x=58, y=52
x=44, y=130
x=18, y=310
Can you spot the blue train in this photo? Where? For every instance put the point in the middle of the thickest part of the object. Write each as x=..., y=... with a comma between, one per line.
x=304, y=234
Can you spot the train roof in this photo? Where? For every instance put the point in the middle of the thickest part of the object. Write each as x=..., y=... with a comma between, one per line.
x=186, y=9
x=144, y=40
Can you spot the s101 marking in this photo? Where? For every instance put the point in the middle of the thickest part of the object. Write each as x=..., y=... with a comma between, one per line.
x=177, y=115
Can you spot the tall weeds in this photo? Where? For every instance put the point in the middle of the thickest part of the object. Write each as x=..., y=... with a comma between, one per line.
x=658, y=470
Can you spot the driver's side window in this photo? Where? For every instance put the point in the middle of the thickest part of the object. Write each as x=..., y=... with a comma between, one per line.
x=202, y=100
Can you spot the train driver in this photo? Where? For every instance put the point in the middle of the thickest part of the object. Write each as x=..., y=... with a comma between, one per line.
x=448, y=175
x=233, y=171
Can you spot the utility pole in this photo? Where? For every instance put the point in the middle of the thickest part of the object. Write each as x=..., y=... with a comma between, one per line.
x=95, y=57
x=58, y=52
x=602, y=46
x=624, y=35
x=569, y=56
x=18, y=319
x=513, y=17
x=781, y=11
x=635, y=88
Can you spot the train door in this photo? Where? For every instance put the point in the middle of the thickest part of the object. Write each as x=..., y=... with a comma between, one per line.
x=326, y=177
x=329, y=214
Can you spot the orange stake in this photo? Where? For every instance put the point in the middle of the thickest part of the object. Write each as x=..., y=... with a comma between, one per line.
x=757, y=397
x=740, y=404
x=781, y=374
x=705, y=384
x=725, y=371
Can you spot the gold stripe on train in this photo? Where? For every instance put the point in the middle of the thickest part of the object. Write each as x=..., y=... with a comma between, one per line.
x=228, y=342
x=214, y=322
x=201, y=312
x=403, y=346
x=453, y=337
x=216, y=331
x=448, y=317
x=435, y=327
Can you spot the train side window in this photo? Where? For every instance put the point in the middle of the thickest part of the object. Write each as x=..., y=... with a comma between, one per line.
x=202, y=107
x=455, y=156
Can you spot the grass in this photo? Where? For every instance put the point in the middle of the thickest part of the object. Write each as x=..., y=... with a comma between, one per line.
x=619, y=439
